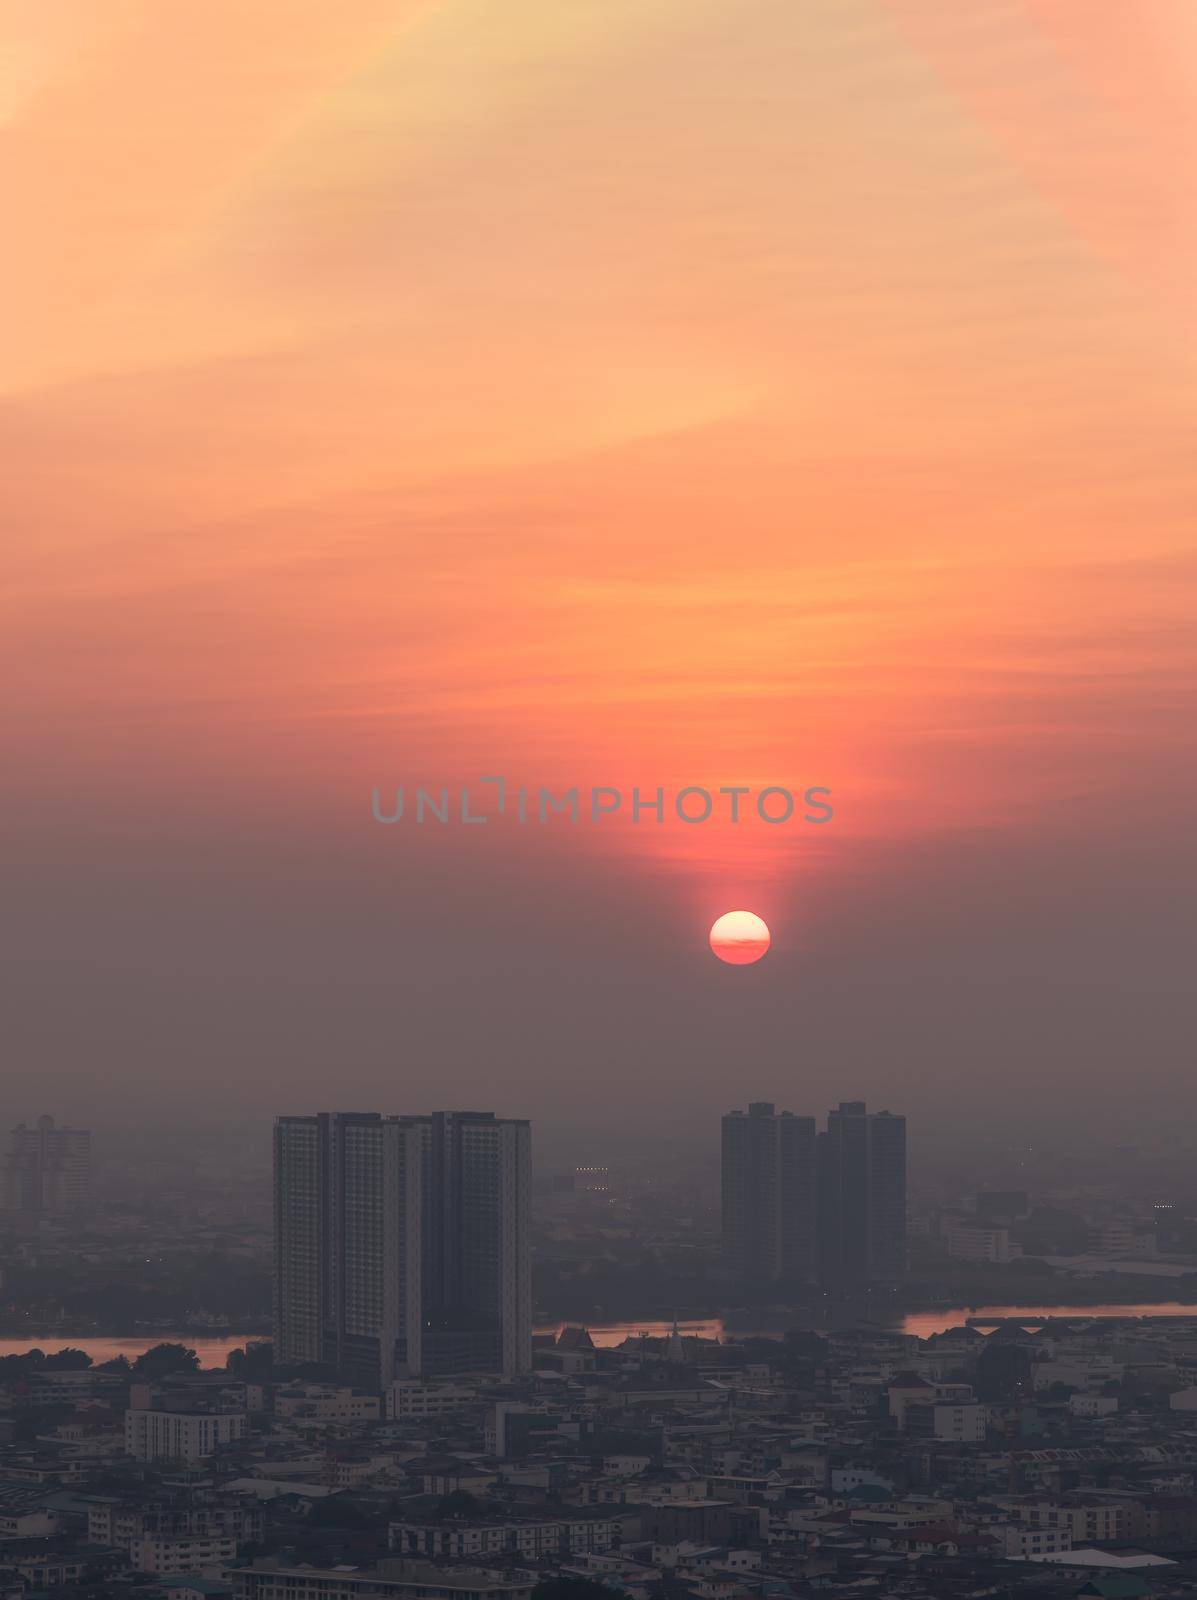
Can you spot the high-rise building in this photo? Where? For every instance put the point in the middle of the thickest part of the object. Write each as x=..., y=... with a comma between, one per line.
x=477, y=1254
x=862, y=1195
x=769, y=1193
x=401, y=1244
x=347, y=1240
x=48, y=1169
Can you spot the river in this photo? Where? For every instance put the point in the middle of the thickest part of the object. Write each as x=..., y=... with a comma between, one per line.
x=213, y=1352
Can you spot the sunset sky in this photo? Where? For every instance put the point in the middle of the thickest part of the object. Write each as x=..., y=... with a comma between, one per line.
x=616, y=392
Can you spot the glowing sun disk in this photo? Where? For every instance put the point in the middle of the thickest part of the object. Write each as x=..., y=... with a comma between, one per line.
x=739, y=937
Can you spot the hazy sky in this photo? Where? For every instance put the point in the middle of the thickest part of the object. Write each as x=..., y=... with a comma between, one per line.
x=598, y=392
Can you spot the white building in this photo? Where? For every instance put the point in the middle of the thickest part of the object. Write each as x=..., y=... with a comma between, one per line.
x=180, y=1435
x=1026, y=1541
x=845, y=1479
x=417, y=1397
x=974, y=1241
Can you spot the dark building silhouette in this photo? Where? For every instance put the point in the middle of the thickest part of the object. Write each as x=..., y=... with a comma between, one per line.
x=862, y=1195
x=800, y=1205
x=47, y=1171
x=401, y=1244
x=769, y=1193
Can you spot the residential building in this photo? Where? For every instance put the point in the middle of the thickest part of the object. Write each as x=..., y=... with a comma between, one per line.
x=1027, y=1541
x=348, y=1196
x=152, y=1435
x=166, y=1554
x=974, y=1241
x=862, y=1195
x=769, y=1193
x=418, y=1397
x=277, y=1579
x=326, y=1403
x=960, y=1422
x=123, y=1524
x=401, y=1244
x=530, y=1537
x=477, y=1251
x=47, y=1170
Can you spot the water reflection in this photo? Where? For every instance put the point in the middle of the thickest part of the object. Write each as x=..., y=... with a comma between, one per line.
x=213, y=1352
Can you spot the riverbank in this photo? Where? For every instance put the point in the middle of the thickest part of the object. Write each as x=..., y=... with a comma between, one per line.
x=213, y=1352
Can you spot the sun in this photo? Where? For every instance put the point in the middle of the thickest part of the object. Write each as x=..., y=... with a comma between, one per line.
x=739, y=937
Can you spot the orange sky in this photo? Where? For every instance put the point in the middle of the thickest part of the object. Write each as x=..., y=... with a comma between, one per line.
x=602, y=391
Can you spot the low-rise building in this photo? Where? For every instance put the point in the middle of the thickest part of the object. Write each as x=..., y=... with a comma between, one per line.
x=963, y=1423
x=531, y=1537
x=1026, y=1541
x=276, y=1579
x=180, y=1435
x=326, y=1403
x=419, y=1397
x=968, y=1240
x=166, y=1554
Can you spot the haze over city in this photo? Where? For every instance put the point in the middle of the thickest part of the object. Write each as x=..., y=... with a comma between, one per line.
x=663, y=394
x=596, y=823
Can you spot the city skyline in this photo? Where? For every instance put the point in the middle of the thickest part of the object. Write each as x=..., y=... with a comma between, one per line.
x=632, y=564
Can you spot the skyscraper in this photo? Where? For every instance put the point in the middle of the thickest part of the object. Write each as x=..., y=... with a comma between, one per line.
x=862, y=1195
x=48, y=1170
x=482, y=1261
x=347, y=1210
x=401, y=1243
x=769, y=1193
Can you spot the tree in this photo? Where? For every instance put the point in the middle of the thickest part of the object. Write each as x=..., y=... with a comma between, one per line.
x=13, y=1367
x=254, y=1361
x=335, y=1511
x=803, y=1342
x=576, y=1589
x=458, y=1504
x=68, y=1359
x=161, y=1360
x=1000, y=1369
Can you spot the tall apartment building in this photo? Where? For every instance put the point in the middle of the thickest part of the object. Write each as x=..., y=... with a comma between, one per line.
x=401, y=1244
x=801, y=1205
x=48, y=1170
x=862, y=1195
x=769, y=1193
